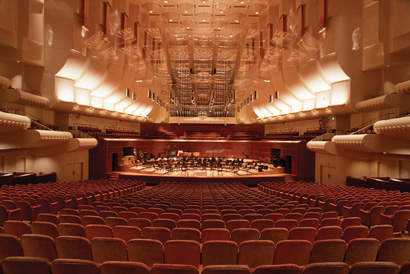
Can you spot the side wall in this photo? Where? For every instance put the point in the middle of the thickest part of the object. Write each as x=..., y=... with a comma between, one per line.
x=66, y=165
x=338, y=168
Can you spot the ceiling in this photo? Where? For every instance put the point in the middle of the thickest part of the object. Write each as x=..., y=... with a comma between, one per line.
x=200, y=54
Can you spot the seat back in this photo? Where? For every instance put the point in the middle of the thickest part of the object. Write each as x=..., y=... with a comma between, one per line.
x=147, y=251
x=63, y=266
x=73, y=247
x=293, y=252
x=108, y=249
x=182, y=252
x=219, y=253
x=256, y=253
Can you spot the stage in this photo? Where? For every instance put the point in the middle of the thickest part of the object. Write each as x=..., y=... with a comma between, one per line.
x=155, y=176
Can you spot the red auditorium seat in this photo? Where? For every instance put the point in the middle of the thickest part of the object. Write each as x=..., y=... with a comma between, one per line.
x=114, y=221
x=361, y=250
x=374, y=268
x=293, y=252
x=275, y=234
x=219, y=253
x=220, y=269
x=256, y=253
x=35, y=245
x=92, y=220
x=108, y=249
x=141, y=223
x=381, y=232
x=181, y=233
x=331, y=267
x=161, y=234
x=124, y=267
x=182, y=252
x=63, y=266
x=173, y=269
x=126, y=233
x=71, y=230
x=10, y=246
x=240, y=235
x=93, y=231
x=395, y=250
x=327, y=251
x=73, y=247
x=213, y=234
x=146, y=251
x=282, y=268
x=44, y=228
x=23, y=265
x=16, y=228
x=303, y=233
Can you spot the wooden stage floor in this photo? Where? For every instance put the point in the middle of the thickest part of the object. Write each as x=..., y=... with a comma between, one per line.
x=153, y=177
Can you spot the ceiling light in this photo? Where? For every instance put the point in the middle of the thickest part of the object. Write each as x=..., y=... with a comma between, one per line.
x=186, y=11
x=203, y=20
x=150, y=11
x=221, y=12
x=166, y=2
x=257, y=12
x=170, y=20
x=242, y=3
x=237, y=21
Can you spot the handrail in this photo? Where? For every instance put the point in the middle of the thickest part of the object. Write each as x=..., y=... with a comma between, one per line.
x=386, y=116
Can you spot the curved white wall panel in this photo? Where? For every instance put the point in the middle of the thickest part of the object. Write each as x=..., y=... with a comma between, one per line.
x=330, y=69
x=33, y=139
x=94, y=74
x=399, y=128
x=402, y=87
x=295, y=85
x=381, y=102
x=45, y=138
x=77, y=144
x=72, y=145
x=112, y=81
x=360, y=142
x=12, y=122
x=75, y=65
x=18, y=96
x=310, y=75
x=127, y=81
x=325, y=147
x=4, y=82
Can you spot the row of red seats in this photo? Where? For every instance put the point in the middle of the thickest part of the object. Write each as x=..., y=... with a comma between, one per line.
x=372, y=206
x=253, y=253
x=25, y=202
x=135, y=229
x=14, y=265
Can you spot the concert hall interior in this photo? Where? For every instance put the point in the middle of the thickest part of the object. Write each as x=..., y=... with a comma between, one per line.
x=185, y=103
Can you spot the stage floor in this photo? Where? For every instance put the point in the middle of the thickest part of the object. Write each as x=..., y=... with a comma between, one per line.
x=199, y=175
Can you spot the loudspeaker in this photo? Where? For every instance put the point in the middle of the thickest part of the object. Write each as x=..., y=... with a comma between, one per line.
x=276, y=95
